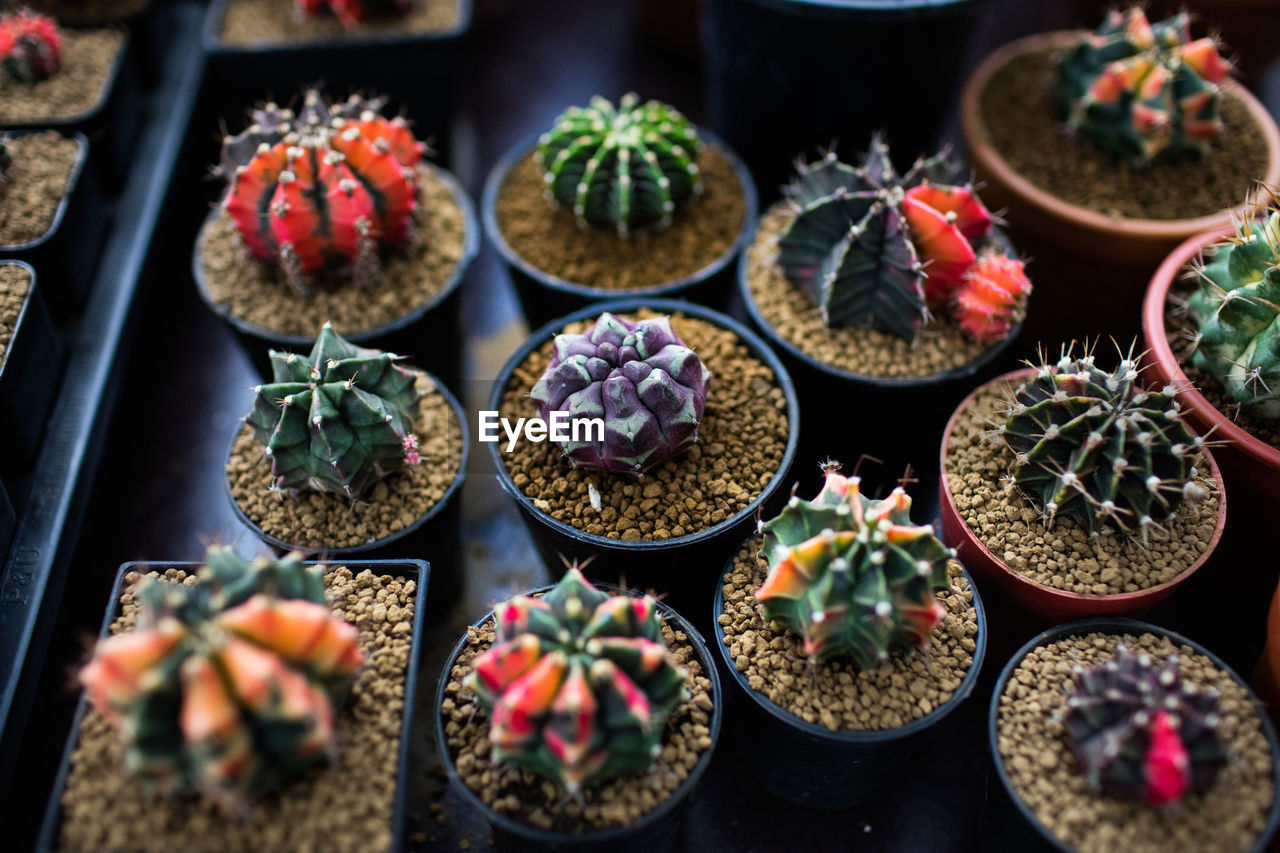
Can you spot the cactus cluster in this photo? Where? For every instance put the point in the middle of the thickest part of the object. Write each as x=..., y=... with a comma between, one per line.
x=880, y=250
x=30, y=47
x=1098, y=448
x=621, y=167
x=338, y=420
x=1143, y=91
x=228, y=687
x=1236, y=311
x=853, y=577
x=326, y=189
x=1140, y=732
x=351, y=13
x=578, y=684
x=640, y=378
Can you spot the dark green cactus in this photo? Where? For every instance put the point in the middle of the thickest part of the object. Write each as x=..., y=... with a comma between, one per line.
x=621, y=167
x=338, y=420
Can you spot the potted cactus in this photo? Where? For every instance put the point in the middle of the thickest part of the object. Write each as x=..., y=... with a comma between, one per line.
x=31, y=358
x=578, y=718
x=676, y=425
x=896, y=287
x=852, y=589
x=617, y=200
x=332, y=214
x=350, y=452
x=240, y=698
x=1138, y=143
x=1077, y=491
x=1111, y=733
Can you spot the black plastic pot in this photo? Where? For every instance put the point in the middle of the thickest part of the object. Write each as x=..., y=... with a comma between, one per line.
x=544, y=297
x=67, y=254
x=8, y=523
x=1029, y=826
x=811, y=765
x=29, y=377
x=418, y=571
x=422, y=69
x=679, y=565
x=786, y=75
x=652, y=833
x=435, y=535
x=897, y=422
x=430, y=335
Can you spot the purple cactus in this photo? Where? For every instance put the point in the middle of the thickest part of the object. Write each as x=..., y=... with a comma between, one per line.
x=639, y=378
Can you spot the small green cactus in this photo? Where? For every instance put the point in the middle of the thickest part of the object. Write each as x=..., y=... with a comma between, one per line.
x=338, y=420
x=622, y=167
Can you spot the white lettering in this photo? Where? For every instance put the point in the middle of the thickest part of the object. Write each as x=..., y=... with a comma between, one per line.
x=561, y=429
x=488, y=426
x=512, y=434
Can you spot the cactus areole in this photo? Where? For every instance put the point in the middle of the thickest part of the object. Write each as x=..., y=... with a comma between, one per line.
x=228, y=687
x=853, y=577
x=640, y=378
x=30, y=47
x=578, y=683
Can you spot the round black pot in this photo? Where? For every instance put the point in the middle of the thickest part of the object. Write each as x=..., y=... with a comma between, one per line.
x=653, y=832
x=1031, y=830
x=775, y=64
x=434, y=537
x=29, y=379
x=677, y=565
x=811, y=765
x=897, y=422
x=430, y=335
x=544, y=297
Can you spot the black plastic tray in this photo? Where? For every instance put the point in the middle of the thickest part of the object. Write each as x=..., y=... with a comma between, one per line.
x=28, y=379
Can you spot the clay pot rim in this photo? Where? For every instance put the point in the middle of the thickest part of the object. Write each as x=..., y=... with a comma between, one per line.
x=1082, y=218
x=1167, y=366
x=1061, y=597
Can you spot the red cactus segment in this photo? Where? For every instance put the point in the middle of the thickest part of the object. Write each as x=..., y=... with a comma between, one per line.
x=992, y=298
x=570, y=732
x=1205, y=57
x=516, y=615
x=350, y=13
x=30, y=46
x=301, y=632
x=634, y=654
x=506, y=662
x=387, y=177
x=248, y=199
x=113, y=678
x=919, y=620
x=1167, y=764
x=960, y=205
x=946, y=253
x=517, y=712
x=211, y=724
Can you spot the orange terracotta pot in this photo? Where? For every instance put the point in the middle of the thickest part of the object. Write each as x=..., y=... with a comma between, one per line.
x=1266, y=676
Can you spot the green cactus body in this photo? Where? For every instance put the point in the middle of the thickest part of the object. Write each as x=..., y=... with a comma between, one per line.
x=338, y=420
x=578, y=683
x=1097, y=448
x=621, y=167
x=853, y=576
x=1237, y=312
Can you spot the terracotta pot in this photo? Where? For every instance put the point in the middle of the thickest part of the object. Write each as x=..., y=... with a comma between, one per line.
x=1266, y=676
x=1250, y=463
x=1056, y=605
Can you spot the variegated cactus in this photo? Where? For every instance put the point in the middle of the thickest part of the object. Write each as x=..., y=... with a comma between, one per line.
x=30, y=47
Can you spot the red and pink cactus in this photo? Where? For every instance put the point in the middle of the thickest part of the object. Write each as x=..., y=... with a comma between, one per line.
x=992, y=297
x=351, y=13
x=30, y=47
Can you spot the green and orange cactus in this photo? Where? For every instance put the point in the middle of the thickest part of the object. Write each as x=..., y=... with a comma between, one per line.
x=578, y=683
x=228, y=687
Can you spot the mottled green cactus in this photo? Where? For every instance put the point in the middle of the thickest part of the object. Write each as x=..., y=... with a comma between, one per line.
x=1237, y=313
x=853, y=576
x=1096, y=447
x=578, y=684
x=338, y=420
x=621, y=167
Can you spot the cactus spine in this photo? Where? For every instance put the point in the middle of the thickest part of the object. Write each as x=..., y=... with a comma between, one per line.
x=30, y=47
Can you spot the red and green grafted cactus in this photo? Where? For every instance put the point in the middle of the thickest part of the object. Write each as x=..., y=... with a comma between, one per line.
x=992, y=299
x=1143, y=91
x=338, y=420
x=227, y=688
x=578, y=683
x=352, y=13
x=1140, y=732
x=326, y=190
x=640, y=379
x=853, y=576
x=30, y=47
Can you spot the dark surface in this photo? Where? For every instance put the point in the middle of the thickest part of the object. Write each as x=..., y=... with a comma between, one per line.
x=159, y=493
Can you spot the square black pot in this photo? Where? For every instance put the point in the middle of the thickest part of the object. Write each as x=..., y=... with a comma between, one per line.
x=29, y=379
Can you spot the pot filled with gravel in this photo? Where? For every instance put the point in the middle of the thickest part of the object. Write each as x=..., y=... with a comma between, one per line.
x=847, y=633
x=1113, y=734
x=578, y=718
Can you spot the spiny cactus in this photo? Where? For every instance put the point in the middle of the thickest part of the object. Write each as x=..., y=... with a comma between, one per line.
x=1237, y=314
x=338, y=420
x=877, y=249
x=621, y=167
x=351, y=13
x=1094, y=446
x=30, y=47
x=1143, y=91
x=1140, y=732
x=853, y=576
x=228, y=687
x=326, y=190
x=578, y=684
x=640, y=378
x=992, y=299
